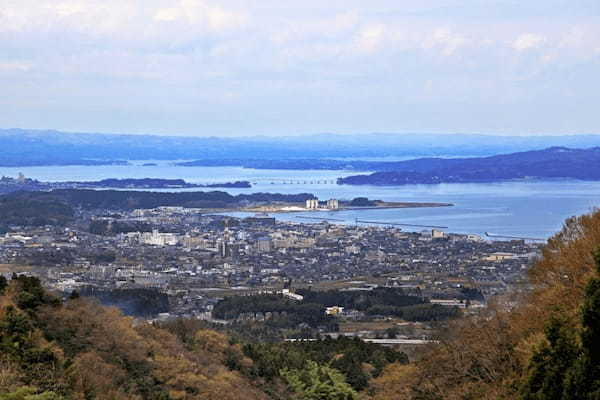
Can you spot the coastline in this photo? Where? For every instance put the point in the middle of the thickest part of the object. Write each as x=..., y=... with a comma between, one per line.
x=288, y=208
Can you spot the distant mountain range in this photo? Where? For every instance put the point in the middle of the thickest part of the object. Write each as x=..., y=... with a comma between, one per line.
x=551, y=163
x=20, y=147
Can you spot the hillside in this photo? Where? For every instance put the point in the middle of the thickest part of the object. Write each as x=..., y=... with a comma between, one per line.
x=541, y=344
x=551, y=163
x=61, y=201
x=25, y=210
x=22, y=147
x=535, y=344
x=55, y=349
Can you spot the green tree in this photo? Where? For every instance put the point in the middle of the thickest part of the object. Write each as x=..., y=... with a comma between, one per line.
x=564, y=368
x=29, y=393
x=392, y=333
x=318, y=382
x=31, y=293
x=3, y=284
x=351, y=366
x=583, y=380
x=551, y=362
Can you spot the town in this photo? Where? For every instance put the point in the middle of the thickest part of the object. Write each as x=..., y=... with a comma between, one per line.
x=196, y=259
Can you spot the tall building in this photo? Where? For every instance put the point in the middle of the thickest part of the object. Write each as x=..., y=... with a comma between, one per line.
x=159, y=239
x=263, y=244
x=333, y=204
x=436, y=234
x=224, y=249
x=312, y=204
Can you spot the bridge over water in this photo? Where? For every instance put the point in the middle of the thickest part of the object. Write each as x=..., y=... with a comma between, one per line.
x=295, y=181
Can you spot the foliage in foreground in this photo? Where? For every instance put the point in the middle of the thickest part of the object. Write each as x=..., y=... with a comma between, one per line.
x=539, y=346
x=51, y=350
x=318, y=382
x=76, y=349
x=357, y=360
x=567, y=365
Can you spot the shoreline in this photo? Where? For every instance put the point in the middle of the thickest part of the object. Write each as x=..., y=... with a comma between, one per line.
x=384, y=205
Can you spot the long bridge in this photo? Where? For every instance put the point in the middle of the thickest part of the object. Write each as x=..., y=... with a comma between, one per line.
x=496, y=236
x=295, y=181
x=400, y=224
x=321, y=218
x=357, y=221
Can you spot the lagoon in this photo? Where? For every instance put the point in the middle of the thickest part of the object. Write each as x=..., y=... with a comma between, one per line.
x=515, y=208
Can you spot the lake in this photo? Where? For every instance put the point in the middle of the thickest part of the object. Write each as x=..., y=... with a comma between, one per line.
x=519, y=208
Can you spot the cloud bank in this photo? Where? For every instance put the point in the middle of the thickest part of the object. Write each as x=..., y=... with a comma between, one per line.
x=234, y=67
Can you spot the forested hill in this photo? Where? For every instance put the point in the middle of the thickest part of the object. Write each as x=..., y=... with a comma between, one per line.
x=541, y=344
x=55, y=349
x=59, y=350
x=551, y=163
x=20, y=147
x=127, y=200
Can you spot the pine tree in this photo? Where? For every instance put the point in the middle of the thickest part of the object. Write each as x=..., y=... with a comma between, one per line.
x=318, y=382
x=583, y=380
x=551, y=362
x=564, y=368
x=3, y=283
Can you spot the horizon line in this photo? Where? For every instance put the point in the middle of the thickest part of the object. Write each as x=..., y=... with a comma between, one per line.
x=298, y=135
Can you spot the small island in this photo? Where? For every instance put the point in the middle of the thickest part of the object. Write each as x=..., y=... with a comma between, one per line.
x=153, y=183
x=230, y=185
x=21, y=183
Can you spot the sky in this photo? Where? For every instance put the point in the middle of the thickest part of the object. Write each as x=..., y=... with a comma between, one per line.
x=288, y=67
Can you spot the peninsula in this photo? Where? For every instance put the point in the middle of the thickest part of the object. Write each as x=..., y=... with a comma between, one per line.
x=551, y=163
x=21, y=183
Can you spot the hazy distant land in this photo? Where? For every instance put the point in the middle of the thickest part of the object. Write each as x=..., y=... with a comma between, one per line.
x=8, y=184
x=552, y=163
x=464, y=158
x=19, y=147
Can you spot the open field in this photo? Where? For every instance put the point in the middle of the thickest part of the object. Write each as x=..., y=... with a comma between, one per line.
x=10, y=268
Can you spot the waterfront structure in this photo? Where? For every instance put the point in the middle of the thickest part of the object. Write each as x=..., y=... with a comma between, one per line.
x=437, y=234
x=312, y=204
x=333, y=204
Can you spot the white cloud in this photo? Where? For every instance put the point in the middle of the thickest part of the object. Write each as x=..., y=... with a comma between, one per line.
x=271, y=49
x=141, y=19
x=370, y=38
x=68, y=9
x=15, y=66
x=448, y=40
x=202, y=12
x=528, y=41
x=167, y=14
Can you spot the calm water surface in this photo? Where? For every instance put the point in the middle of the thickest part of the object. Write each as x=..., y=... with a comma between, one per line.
x=523, y=208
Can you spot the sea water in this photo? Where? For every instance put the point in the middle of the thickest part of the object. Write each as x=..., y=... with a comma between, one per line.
x=525, y=208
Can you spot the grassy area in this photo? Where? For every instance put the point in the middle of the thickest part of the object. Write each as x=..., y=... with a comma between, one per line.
x=381, y=325
x=10, y=268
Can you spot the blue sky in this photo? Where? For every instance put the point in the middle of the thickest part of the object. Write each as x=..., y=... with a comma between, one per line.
x=283, y=67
